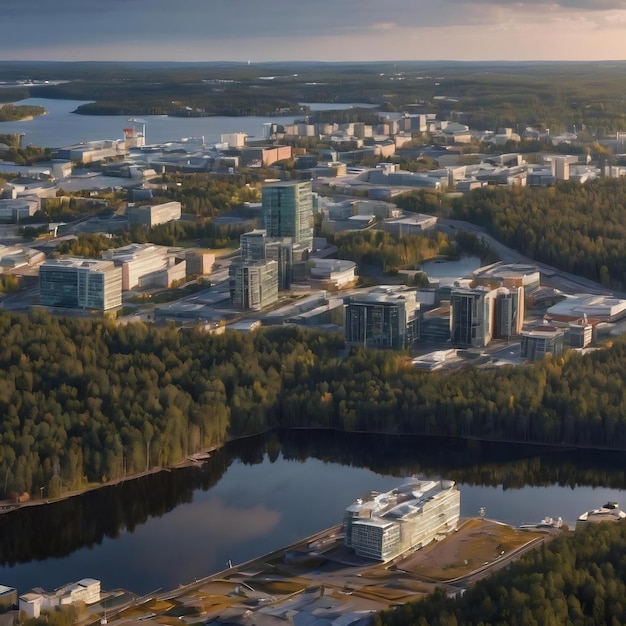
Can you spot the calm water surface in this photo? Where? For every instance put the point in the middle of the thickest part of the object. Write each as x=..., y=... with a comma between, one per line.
x=60, y=127
x=265, y=497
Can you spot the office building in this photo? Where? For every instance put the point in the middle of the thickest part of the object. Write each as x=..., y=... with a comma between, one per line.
x=539, y=341
x=289, y=256
x=153, y=215
x=387, y=524
x=471, y=316
x=580, y=334
x=560, y=168
x=509, y=312
x=253, y=284
x=386, y=317
x=252, y=245
x=288, y=211
x=146, y=265
x=80, y=283
x=13, y=210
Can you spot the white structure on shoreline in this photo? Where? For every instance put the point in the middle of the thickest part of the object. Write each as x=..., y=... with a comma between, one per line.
x=406, y=518
x=610, y=512
x=86, y=590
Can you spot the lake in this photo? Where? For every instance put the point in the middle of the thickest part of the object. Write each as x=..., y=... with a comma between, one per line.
x=60, y=127
x=259, y=494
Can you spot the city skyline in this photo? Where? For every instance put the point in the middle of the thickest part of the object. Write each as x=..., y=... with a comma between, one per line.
x=278, y=30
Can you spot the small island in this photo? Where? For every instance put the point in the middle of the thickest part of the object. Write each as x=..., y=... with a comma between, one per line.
x=20, y=112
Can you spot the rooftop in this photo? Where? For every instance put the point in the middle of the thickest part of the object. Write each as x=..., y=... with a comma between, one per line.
x=95, y=265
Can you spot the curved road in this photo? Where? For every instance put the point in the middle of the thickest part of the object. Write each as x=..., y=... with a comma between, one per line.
x=552, y=276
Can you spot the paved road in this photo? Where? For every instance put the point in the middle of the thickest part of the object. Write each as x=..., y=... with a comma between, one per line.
x=551, y=276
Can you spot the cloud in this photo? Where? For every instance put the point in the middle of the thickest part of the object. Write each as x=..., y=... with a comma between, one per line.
x=207, y=30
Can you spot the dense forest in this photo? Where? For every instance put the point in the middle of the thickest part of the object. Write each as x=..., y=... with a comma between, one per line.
x=554, y=95
x=578, y=579
x=533, y=221
x=380, y=249
x=88, y=401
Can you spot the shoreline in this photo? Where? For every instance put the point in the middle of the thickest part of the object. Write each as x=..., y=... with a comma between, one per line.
x=203, y=455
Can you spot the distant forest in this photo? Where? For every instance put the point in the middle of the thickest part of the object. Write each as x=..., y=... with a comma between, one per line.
x=559, y=96
x=11, y=113
x=89, y=401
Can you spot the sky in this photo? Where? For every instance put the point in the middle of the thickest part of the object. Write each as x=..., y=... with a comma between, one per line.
x=324, y=30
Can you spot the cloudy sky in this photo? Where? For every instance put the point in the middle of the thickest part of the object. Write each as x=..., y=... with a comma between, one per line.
x=326, y=30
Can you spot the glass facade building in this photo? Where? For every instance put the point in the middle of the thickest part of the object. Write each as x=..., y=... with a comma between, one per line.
x=253, y=285
x=288, y=211
x=382, y=318
x=409, y=517
x=471, y=317
x=80, y=284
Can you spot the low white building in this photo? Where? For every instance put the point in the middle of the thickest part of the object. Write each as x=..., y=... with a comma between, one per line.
x=587, y=306
x=86, y=590
x=30, y=604
x=332, y=273
x=146, y=265
x=154, y=215
x=412, y=224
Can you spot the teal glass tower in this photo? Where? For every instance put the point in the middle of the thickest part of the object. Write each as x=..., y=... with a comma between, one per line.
x=288, y=211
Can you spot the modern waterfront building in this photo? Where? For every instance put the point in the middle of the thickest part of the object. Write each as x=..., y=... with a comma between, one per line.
x=288, y=211
x=253, y=284
x=539, y=341
x=385, y=317
x=92, y=151
x=154, y=215
x=72, y=282
x=8, y=598
x=385, y=525
x=471, y=316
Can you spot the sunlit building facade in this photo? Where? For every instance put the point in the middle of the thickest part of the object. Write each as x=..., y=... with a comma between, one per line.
x=80, y=284
x=386, y=525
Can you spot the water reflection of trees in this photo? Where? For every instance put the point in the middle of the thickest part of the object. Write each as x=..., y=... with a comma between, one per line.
x=56, y=530
x=469, y=462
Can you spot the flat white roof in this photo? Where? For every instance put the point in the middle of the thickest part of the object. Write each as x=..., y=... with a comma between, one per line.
x=95, y=265
x=590, y=305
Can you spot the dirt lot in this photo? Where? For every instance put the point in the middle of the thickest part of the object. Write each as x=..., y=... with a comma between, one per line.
x=475, y=544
